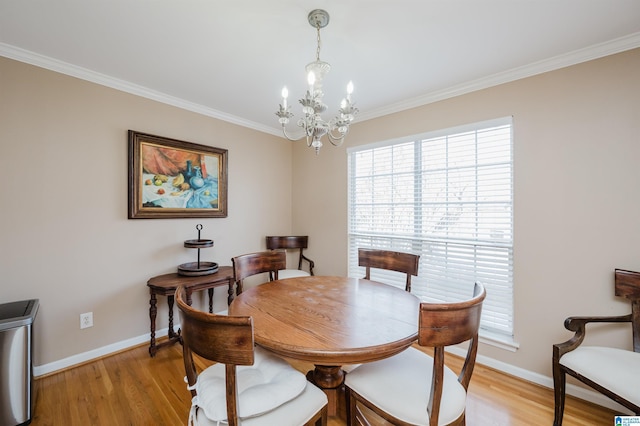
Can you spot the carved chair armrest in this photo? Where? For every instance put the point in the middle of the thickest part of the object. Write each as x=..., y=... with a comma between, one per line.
x=311, y=264
x=578, y=325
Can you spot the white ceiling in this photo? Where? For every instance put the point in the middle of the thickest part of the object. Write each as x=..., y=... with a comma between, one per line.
x=230, y=59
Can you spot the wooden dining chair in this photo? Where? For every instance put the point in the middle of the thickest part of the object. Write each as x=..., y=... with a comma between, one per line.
x=247, y=385
x=406, y=263
x=614, y=372
x=413, y=388
x=250, y=264
x=292, y=243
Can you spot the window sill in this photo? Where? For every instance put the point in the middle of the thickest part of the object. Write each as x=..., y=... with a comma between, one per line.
x=498, y=340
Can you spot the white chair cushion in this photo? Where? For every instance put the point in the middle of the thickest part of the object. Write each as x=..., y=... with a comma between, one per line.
x=401, y=385
x=295, y=412
x=615, y=369
x=291, y=273
x=263, y=386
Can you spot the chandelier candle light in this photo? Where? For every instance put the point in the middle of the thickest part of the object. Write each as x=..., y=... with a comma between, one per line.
x=312, y=106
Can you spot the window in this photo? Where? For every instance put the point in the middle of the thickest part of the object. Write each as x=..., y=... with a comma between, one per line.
x=447, y=196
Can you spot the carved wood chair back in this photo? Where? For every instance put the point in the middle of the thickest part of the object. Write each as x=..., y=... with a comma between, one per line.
x=586, y=362
x=250, y=264
x=627, y=284
x=229, y=340
x=446, y=324
x=406, y=263
x=219, y=338
x=440, y=325
x=291, y=242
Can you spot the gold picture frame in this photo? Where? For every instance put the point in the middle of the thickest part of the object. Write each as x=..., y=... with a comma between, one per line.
x=169, y=178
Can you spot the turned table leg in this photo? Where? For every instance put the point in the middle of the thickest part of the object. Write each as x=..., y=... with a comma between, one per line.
x=329, y=379
x=153, y=312
x=172, y=333
x=230, y=293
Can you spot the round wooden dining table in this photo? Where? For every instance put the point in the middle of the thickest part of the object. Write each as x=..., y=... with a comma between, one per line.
x=330, y=322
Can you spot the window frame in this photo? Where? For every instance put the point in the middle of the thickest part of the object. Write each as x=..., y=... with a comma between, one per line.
x=502, y=334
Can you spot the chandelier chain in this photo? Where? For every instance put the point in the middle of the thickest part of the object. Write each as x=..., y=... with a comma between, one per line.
x=318, y=41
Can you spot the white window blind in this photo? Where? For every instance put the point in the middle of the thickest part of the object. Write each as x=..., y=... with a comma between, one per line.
x=447, y=196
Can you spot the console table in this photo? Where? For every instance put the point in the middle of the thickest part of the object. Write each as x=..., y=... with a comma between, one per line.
x=166, y=285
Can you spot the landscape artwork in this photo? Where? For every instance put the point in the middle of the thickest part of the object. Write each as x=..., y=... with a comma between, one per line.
x=169, y=178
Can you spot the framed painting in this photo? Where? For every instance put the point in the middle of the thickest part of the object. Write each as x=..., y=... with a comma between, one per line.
x=169, y=178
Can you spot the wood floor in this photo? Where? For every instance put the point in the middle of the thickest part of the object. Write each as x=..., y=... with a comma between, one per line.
x=130, y=388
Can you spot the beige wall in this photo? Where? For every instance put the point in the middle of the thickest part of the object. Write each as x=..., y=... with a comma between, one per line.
x=577, y=187
x=64, y=233
x=67, y=241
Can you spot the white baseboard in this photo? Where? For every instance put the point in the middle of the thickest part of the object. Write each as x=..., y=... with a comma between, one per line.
x=539, y=379
x=52, y=367
x=521, y=373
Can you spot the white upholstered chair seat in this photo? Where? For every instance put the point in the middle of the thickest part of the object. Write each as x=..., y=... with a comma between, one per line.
x=293, y=413
x=270, y=392
x=291, y=273
x=400, y=386
x=615, y=369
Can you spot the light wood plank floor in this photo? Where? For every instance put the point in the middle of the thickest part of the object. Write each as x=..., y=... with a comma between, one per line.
x=130, y=388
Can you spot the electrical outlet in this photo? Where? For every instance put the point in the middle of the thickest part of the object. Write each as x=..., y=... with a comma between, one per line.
x=86, y=320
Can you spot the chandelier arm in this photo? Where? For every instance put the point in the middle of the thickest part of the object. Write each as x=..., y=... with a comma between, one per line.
x=337, y=140
x=292, y=139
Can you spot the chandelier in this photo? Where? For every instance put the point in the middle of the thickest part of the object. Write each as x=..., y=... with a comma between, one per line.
x=313, y=125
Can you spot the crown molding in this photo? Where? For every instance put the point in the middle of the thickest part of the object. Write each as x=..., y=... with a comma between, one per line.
x=618, y=45
x=611, y=47
x=51, y=64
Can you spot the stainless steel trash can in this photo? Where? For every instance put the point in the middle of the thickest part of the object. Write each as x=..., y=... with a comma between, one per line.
x=16, y=367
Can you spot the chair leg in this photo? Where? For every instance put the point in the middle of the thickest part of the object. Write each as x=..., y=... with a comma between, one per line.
x=360, y=419
x=559, y=385
x=322, y=421
x=319, y=419
x=355, y=417
x=350, y=403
